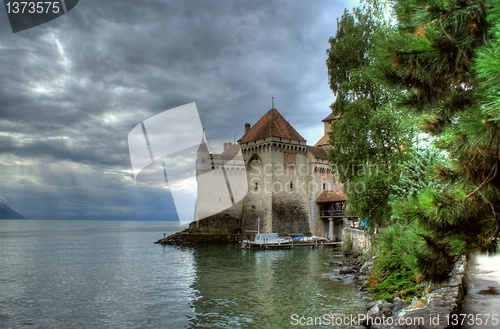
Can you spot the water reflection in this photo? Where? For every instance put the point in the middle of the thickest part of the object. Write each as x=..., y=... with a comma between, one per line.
x=62, y=274
x=262, y=289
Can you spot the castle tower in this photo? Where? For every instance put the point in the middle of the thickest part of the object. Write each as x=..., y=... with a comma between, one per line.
x=278, y=175
x=324, y=141
x=330, y=198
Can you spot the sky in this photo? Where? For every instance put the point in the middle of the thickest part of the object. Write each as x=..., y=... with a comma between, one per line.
x=72, y=89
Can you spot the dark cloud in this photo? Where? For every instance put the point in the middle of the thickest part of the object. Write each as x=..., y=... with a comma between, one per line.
x=72, y=89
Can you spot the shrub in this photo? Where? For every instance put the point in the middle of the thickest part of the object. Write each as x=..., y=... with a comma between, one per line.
x=395, y=273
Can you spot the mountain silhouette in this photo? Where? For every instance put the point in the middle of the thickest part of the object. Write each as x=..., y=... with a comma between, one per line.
x=7, y=212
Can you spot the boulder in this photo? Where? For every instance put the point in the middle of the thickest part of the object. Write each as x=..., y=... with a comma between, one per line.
x=347, y=270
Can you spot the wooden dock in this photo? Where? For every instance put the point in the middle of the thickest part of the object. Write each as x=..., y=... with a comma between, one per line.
x=317, y=244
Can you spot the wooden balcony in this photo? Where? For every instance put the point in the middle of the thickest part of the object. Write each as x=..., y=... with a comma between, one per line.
x=332, y=213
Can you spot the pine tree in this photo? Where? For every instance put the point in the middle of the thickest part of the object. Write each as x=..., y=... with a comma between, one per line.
x=445, y=55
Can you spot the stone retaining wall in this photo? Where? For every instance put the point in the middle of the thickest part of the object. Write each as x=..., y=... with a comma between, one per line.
x=360, y=239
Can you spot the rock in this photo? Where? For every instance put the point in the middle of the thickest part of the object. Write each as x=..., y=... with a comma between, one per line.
x=347, y=270
x=398, y=305
x=188, y=238
x=361, y=281
x=366, y=268
x=374, y=314
x=375, y=302
x=490, y=291
x=386, y=312
x=330, y=276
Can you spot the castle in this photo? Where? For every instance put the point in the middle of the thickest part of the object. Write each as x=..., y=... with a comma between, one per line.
x=290, y=187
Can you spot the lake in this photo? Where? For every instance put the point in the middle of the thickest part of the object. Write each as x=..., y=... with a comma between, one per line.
x=110, y=274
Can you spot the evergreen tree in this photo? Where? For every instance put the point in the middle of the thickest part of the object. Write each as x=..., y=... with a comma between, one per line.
x=371, y=137
x=445, y=55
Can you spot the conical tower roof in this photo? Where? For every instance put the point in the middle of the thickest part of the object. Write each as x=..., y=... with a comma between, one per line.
x=203, y=148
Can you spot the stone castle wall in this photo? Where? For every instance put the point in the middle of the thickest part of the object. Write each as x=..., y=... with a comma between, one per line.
x=257, y=202
x=229, y=221
x=221, y=184
x=290, y=187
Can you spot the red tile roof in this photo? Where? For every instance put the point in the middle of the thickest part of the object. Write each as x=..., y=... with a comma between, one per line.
x=331, y=196
x=325, y=140
x=272, y=124
x=331, y=117
x=318, y=153
x=233, y=149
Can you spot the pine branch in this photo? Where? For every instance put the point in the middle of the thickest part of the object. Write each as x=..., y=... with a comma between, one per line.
x=488, y=179
x=490, y=204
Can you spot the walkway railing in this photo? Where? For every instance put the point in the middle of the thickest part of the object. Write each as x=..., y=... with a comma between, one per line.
x=331, y=213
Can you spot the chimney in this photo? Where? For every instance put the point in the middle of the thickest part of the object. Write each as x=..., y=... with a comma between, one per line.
x=247, y=128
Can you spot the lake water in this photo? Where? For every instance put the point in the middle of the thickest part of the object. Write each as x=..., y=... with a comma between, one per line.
x=109, y=274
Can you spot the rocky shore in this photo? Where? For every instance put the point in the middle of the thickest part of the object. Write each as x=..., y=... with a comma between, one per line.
x=437, y=310
x=352, y=269
x=188, y=238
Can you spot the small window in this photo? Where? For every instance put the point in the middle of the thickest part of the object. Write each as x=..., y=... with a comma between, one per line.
x=324, y=186
x=291, y=186
x=256, y=186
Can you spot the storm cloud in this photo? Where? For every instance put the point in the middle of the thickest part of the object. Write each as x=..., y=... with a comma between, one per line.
x=72, y=89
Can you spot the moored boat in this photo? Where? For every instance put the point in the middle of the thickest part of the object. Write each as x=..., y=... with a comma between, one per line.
x=267, y=241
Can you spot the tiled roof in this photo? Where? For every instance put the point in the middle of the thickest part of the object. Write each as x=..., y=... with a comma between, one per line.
x=331, y=117
x=319, y=153
x=325, y=140
x=331, y=196
x=272, y=124
x=233, y=149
